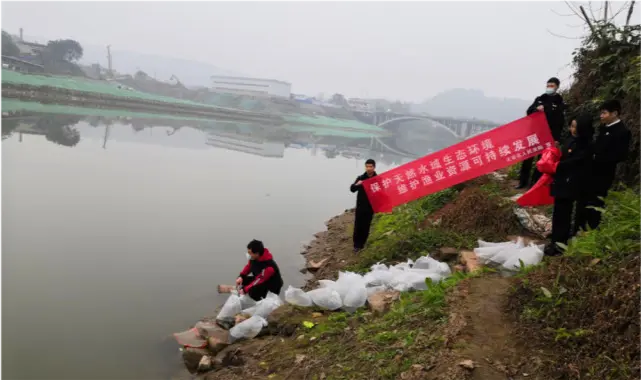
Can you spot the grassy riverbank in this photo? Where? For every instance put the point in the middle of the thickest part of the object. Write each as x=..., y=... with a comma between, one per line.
x=477, y=325
x=417, y=332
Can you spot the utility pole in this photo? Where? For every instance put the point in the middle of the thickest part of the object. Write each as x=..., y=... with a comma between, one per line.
x=111, y=73
x=107, y=130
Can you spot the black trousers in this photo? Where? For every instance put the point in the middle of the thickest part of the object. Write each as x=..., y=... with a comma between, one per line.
x=562, y=220
x=362, y=223
x=524, y=176
x=258, y=292
x=586, y=215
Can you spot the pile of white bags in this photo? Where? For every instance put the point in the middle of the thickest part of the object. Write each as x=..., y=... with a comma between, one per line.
x=351, y=290
x=265, y=306
x=510, y=254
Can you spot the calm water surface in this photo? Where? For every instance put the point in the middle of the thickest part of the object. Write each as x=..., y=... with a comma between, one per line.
x=107, y=251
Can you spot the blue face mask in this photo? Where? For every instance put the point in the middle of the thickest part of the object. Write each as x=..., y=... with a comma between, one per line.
x=550, y=91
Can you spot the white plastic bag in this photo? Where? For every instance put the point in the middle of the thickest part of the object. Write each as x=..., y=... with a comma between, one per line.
x=327, y=284
x=347, y=281
x=231, y=307
x=355, y=298
x=326, y=298
x=430, y=264
x=378, y=277
x=416, y=278
x=298, y=297
x=267, y=305
x=379, y=266
x=405, y=265
x=248, y=328
x=246, y=301
x=498, y=254
x=483, y=244
x=530, y=255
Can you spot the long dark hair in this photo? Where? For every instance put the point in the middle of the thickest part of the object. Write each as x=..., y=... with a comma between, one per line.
x=584, y=127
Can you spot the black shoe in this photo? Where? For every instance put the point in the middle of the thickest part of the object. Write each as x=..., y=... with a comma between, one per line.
x=551, y=250
x=357, y=250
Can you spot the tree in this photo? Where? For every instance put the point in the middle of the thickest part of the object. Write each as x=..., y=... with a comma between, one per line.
x=8, y=46
x=339, y=100
x=64, y=50
x=57, y=129
x=141, y=75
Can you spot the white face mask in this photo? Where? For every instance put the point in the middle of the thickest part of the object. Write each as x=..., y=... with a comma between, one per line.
x=248, y=257
x=550, y=91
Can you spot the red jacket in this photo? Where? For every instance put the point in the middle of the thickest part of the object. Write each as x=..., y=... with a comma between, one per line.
x=262, y=268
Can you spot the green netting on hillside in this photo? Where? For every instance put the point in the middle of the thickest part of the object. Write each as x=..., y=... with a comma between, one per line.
x=328, y=121
x=11, y=105
x=87, y=85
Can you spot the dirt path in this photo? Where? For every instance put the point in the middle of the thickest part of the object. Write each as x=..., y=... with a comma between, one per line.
x=480, y=331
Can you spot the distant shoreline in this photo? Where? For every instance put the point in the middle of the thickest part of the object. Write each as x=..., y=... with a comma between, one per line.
x=46, y=94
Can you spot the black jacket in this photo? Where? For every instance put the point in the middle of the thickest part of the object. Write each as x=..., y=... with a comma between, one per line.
x=362, y=203
x=611, y=147
x=554, y=108
x=572, y=176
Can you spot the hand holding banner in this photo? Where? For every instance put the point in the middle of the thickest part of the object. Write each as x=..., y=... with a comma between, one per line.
x=493, y=150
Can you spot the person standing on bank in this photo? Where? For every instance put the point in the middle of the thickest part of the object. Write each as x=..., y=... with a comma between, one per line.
x=364, y=211
x=552, y=104
x=571, y=178
x=612, y=146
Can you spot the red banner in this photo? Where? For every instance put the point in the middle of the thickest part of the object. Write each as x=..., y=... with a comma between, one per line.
x=482, y=154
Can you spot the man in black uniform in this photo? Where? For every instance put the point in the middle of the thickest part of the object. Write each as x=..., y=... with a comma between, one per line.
x=552, y=104
x=364, y=211
x=611, y=147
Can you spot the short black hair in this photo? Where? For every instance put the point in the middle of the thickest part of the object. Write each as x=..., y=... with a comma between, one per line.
x=256, y=246
x=555, y=80
x=611, y=106
x=370, y=162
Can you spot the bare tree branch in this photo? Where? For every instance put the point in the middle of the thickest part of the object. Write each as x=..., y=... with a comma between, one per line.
x=587, y=20
x=630, y=10
x=565, y=37
x=558, y=14
x=618, y=12
x=573, y=10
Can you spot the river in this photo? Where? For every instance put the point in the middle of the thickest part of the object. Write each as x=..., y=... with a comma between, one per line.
x=116, y=233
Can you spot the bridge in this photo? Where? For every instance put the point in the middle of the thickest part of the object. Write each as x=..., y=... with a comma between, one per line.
x=459, y=128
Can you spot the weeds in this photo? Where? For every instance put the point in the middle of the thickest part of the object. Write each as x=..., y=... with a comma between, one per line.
x=586, y=305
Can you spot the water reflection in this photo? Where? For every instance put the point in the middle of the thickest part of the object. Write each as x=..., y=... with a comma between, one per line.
x=155, y=212
x=410, y=142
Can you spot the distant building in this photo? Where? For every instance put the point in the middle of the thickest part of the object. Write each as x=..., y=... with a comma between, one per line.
x=17, y=64
x=246, y=144
x=362, y=105
x=29, y=48
x=251, y=86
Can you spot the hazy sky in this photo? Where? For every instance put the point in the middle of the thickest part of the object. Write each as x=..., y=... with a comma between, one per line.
x=399, y=50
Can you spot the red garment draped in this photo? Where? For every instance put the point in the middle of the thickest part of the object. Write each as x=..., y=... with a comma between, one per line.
x=539, y=194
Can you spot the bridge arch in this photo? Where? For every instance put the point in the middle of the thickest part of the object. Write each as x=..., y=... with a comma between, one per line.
x=408, y=118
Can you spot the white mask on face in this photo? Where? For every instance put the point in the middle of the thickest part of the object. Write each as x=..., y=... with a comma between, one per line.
x=248, y=257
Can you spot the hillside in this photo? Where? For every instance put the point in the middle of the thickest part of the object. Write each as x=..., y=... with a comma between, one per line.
x=469, y=104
